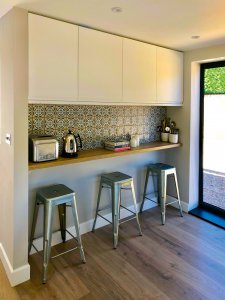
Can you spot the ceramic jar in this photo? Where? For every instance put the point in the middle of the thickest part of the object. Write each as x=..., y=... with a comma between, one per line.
x=164, y=136
x=173, y=138
x=134, y=142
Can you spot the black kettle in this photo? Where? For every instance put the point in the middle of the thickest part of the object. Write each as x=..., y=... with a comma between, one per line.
x=71, y=143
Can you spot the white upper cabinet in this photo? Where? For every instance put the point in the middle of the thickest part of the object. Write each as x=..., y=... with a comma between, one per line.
x=139, y=72
x=53, y=59
x=100, y=66
x=169, y=76
x=68, y=63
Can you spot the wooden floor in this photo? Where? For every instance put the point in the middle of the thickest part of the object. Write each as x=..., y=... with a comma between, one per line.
x=185, y=259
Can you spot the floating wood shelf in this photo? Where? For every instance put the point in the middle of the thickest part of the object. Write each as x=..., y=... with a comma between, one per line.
x=88, y=155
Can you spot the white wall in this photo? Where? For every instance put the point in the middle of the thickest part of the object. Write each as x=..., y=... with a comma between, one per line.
x=13, y=158
x=187, y=118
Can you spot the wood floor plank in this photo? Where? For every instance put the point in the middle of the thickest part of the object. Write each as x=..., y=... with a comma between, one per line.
x=136, y=285
x=153, y=268
x=204, y=262
x=97, y=280
x=63, y=282
x=180, y=269
x=6, y=292
x=206, y=247
x=182, y=260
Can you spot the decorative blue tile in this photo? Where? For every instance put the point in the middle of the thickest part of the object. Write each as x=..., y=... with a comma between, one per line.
x=95, y=123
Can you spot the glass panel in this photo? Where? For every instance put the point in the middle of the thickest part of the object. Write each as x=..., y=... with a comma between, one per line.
x=214, y=138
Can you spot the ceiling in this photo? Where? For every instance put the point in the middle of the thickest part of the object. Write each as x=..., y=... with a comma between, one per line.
x=168, y=23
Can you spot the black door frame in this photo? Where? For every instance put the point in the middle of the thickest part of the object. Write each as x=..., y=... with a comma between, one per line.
x=202, y=204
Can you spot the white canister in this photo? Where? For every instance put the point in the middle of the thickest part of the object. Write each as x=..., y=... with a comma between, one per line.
x=173, y=138
x=164, y=136
x=134, y=142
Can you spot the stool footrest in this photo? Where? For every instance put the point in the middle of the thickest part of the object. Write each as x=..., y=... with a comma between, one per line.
x=119, y=219
x=104, y=218
x=71, y=235
x=55, y=232
x=67, y=251
x=151, y=200
x=172, y=202
x=128, y=209
x=32, y=245
x=124, y=221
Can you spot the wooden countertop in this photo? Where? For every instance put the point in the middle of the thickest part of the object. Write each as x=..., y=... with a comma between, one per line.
x=100, y=153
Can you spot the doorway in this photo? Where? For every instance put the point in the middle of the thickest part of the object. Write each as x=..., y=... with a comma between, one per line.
x=212, y=144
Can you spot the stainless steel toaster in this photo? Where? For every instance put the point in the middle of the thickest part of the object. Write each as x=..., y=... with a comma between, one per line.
x=43, y=148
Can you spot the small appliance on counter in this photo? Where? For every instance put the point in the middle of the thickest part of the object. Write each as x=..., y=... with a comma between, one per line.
x=71, y=143
x=43, y=148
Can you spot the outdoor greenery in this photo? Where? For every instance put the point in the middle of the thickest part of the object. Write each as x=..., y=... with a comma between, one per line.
x=215, y=81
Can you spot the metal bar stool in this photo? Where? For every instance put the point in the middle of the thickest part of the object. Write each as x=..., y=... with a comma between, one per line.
x=161, y=171
x=51, y=196
x=117, y=181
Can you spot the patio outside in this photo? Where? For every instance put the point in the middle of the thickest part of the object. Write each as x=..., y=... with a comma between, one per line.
x=214, y=150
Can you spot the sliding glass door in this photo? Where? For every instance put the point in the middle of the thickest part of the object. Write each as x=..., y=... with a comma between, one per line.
x=212, y=137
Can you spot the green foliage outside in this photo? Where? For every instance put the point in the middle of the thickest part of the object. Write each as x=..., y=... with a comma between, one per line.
x=215, y=81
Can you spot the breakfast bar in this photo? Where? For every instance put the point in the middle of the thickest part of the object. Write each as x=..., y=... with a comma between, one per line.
x=95, y=154
x=82, y=174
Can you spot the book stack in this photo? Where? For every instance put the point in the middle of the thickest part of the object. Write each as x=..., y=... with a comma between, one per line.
x=117, y=145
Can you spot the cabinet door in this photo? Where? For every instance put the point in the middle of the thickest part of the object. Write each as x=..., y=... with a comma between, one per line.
x=139, y=72
x=100, y=66
x=53, y=51
x=169, y=76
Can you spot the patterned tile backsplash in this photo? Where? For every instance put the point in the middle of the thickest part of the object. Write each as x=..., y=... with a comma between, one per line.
x=96, y=123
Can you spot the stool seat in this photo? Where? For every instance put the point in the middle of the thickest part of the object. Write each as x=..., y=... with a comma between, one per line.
x=162, y=171
x=53, y=192
x=116, y=177
x=116, y=181
x=50, y=197
x=158, y=167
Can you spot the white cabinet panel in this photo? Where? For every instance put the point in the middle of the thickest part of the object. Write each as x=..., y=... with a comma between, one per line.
x=139, y=72
x=169, y=76
x=100, y=66
x=53, y=59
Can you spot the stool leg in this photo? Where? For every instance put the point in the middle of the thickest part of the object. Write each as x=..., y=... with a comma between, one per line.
x=77, y=227
x=159, y=188
x=120, y=203
x=145, y=189
x=178, y=194
x=163, y=197
x=135, y=206
x=98, y=201
x=62, y=220
x=48, y=218
x=115, y=213
x=34, y=222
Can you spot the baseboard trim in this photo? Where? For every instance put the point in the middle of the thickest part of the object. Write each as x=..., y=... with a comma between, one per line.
x=184, y=205
x=15, y=276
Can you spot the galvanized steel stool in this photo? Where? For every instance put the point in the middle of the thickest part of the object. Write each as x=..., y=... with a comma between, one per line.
x=162, y=171
x=117, y=181
x=51, y=196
